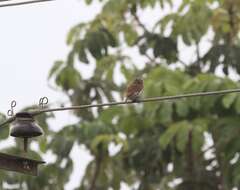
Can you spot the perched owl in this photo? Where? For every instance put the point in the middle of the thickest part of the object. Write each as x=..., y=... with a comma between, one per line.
x=134, y=90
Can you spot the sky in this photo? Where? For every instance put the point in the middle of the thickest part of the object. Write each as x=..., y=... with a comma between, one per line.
x=32, y=38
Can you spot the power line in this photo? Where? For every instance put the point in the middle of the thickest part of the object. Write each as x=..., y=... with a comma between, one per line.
x=164, y=98
x=11, y=119
x=22, y=3
x=153, y=99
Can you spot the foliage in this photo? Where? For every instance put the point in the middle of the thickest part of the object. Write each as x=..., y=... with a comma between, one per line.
x=194, y=140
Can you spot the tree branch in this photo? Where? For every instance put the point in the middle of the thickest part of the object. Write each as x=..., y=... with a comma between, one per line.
x=232, y=25
x=190, y=168
x=99, y=158
x=221, y=182
x=206, y=150
x=198, y=57
x=182, y=62
x=140, y=23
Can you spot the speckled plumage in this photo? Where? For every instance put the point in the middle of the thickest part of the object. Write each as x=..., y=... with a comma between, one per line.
x=134, y=90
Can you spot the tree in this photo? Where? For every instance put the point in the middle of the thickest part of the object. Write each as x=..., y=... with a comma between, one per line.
x=189, y=144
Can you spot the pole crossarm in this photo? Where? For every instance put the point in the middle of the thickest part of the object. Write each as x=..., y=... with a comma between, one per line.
x=145, y=100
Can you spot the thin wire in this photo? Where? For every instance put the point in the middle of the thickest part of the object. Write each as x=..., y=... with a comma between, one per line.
x=164, y=98
x=22, y=3
x=221, y=92
x=9, y=120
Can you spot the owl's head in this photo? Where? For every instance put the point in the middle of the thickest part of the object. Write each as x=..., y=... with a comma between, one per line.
x=138, y=80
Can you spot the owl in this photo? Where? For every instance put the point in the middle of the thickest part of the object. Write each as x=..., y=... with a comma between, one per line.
x=134, y=90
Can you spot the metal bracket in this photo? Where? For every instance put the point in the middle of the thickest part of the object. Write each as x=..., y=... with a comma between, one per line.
x=43, y=102
x=19, y=164
x=10, y=112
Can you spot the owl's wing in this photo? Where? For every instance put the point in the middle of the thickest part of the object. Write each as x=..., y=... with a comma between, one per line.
x=134, y=90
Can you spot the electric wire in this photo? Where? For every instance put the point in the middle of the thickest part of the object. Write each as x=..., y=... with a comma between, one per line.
x=22, y=3
x=145, y=100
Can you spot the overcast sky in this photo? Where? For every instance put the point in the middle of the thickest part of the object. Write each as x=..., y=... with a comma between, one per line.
x=32, y=38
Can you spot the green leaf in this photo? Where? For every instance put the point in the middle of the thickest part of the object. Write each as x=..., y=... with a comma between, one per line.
x=168, y=135
x=74, y=33
x=95, y=43
x=199, y=127
x=43, y=144
x=183, y=135
x=2, y=118
x=126, y=71
x=182, y=108
x=109, y=38
x=4, y=130
x=180, y=130
x=109, y=114
x=4, y=133
x=130, y=34
x=228, y=100
x=88, y=1
x=55, y=68
x=68, y=78
x=164, y=114
x=61, y=146
x=237, y=104
x=79, y=48
x=143, y=48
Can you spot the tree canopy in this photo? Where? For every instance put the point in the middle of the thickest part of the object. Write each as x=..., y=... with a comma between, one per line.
x=188, y=144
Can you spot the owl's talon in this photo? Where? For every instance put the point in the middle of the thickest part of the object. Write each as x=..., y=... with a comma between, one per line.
x=136, y=100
